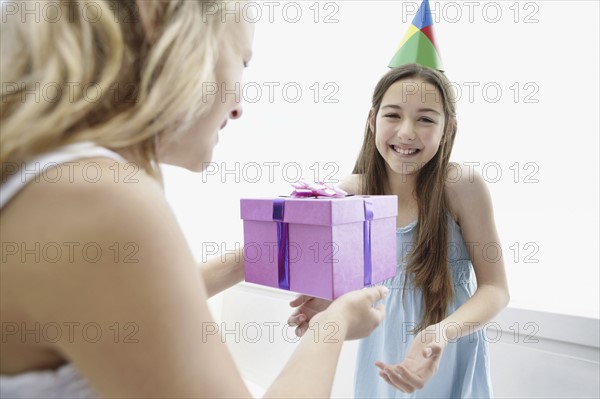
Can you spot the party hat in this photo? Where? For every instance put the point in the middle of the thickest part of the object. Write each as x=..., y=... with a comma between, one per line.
x=418, y=45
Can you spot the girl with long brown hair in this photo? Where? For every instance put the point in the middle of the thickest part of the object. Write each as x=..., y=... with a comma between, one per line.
x=450, y=279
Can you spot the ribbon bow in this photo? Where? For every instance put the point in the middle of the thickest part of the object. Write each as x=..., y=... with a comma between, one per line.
x=303, y=189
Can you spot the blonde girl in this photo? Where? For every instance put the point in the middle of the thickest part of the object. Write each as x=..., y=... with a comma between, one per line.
x=100, y=294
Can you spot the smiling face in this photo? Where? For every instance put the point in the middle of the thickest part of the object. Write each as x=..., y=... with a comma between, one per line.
x=193, y=149
x=409, y=125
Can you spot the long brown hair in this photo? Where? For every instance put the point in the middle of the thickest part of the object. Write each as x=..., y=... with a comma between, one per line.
x=428, y=261
x=148, y=87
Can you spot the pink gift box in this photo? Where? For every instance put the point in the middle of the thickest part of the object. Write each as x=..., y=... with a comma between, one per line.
x=326, y=241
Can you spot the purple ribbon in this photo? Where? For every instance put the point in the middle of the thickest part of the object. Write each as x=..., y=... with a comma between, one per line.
x=367, y=239
x=283, y=266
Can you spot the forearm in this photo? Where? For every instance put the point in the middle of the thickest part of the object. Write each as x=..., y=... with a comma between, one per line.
x=315, y=359
x=219, y=274
x=482, y=307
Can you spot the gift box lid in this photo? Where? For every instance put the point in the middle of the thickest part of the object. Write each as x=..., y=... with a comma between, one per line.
x=321, y=211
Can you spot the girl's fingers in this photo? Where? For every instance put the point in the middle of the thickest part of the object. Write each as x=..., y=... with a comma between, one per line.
x=383, y=375
x=386, y=378
x=410, y=377
x=380, y=365
x=433, y=351
x=398, y=381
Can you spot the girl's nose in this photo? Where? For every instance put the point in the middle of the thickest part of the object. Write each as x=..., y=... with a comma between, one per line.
x=406, y=131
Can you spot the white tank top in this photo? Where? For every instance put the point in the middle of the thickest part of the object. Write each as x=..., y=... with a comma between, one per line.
x=64, y=382
x=34, y=167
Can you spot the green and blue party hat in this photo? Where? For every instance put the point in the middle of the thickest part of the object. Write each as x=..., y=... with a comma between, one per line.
x=418, y=45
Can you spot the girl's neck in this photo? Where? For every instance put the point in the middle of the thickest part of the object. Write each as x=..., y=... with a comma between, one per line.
x=403, y=186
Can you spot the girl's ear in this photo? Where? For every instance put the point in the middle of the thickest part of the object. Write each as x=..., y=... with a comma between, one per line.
x=452, y=122
x=372, y=115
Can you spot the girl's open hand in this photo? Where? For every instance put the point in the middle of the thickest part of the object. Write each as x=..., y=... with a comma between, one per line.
x=420, y=364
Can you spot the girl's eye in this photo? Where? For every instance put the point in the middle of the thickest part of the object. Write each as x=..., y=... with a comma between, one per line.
x=391, y=116
x=427, y=120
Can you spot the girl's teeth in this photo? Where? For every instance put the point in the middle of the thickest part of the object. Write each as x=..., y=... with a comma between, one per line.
x=405, y=152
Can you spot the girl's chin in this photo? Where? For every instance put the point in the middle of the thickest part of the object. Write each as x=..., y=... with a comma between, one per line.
x=404, y=168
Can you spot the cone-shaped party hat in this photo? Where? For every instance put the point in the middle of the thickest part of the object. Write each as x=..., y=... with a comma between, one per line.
x=418, y=44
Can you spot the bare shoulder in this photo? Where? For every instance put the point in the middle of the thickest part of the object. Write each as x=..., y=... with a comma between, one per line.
x=467, y=192
x=86, y=194
x=351, y=184
x=85, y=226
x=124, y=266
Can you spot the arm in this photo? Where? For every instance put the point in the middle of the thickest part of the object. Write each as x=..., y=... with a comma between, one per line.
x=218, y=275
x=315, y=359
x=470, y=201
x=157, y=337
x=318, y=345
x=473, y=206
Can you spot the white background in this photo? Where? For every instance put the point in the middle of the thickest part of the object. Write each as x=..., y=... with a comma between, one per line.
x=539, y=130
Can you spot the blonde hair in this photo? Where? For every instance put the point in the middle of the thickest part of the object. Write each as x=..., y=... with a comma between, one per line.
x=88, y=72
